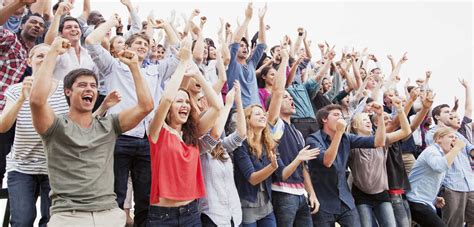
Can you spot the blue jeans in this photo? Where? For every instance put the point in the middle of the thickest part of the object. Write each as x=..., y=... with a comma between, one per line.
x=401, y=210
x=383, y=213
x=185, y=216
x=133, y=154
x=267, y=221
x=291, y=210
x=23, y=190
x=347, y=218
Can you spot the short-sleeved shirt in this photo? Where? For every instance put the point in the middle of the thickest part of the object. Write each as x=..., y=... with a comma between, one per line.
x=27, y=155
x=80, y=163
x=369, y=169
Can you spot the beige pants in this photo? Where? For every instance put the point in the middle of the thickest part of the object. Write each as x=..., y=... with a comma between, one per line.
x=113, y=218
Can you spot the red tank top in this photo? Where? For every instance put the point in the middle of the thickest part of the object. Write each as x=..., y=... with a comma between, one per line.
x=175, y=169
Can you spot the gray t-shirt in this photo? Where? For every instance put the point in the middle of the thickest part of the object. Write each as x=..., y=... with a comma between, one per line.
x=369, y=169
x=80, y=163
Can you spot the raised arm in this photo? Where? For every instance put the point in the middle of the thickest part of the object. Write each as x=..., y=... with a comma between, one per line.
x=52, y=33
x=99, y=33
x=405, y=129
x=170, y=91
x=380, y=135
x=9, y=9
x=171, y=36
x=241, y=29
x=468, y=98
x=215, y=105
x=331, y=151
x=12, y=108
x=41, y=112
x=86, y=9
x=427, y=99
x=278, y=89
x=218, y=128
x=261, y=25
x=131, y=116
x=392, y=62
x=458, y=147
x=110, y=100
x=198, y=51
x=221, y=73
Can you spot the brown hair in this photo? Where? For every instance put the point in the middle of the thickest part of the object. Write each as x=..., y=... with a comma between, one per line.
x=135, y=36
x=218, y=153
x=324, y=113
x=266, y=139
x=189, y=128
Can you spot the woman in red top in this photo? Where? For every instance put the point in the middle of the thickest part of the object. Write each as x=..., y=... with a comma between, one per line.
x=176, y=176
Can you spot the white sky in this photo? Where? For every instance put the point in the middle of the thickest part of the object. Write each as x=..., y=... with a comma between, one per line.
x=436, y=35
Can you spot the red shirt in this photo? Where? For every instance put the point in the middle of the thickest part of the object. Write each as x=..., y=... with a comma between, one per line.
x=175, y=169
x=13, y=57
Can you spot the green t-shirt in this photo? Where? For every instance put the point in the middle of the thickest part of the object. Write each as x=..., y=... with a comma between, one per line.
x=80, y=163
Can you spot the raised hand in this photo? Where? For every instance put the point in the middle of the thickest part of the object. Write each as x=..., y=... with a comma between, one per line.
x=428, y=75
x=195, y=13
x=112, y=99
x=306, y=154
x=404, y=58
x=273, y=160
x=64, y=8
x=397, y=103
x=427, y=99
x=414, y=93
x=249, y=11
x=390, y=57
x=464, y=83
x=262, y=12
x=115, y=18
x=377, y=108
x=458, y=144
x=341, y=125
x=26, y=88
x=126, y=3
x=203, y=20
x=60, y=45
x=128, y=57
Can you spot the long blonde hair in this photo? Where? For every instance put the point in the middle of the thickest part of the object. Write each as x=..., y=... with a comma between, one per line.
x=266, y=139
x=356, y=123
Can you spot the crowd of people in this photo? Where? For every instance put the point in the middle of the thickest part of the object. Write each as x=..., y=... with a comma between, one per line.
x=231, y=132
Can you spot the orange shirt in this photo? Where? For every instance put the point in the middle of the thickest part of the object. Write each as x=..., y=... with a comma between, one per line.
x=175, y=169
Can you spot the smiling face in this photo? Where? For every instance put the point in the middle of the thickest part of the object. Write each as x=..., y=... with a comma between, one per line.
x=140, y=46
x=361, y=124
x=256, y=117
x=83, y=93
x=269, y=77
x=71, y=31
x=212, y=53
x=180, y=109
x=326, y=85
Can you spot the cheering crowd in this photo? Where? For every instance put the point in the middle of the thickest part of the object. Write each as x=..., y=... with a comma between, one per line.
x=226, y=132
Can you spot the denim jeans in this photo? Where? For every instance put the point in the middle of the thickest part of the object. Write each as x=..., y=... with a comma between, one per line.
x=133, y=154
x=185, y=216
x=291, y=210
x=382, y=212
x=347, y=218
x=267, y=221
x=401, y=210
x=23, y=190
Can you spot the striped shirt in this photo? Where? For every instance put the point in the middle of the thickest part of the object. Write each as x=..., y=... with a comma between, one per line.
x=27, y=153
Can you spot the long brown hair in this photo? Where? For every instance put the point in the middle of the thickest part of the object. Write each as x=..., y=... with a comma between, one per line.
x=189, y=128
x=266, y=139
x=218, y=153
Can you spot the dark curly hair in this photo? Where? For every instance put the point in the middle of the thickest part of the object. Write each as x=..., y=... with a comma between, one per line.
x=189, y=129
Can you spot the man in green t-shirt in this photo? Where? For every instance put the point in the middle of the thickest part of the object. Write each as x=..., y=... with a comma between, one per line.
x=79, y=147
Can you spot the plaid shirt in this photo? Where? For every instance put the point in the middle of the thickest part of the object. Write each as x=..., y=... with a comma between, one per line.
x=13, y=57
